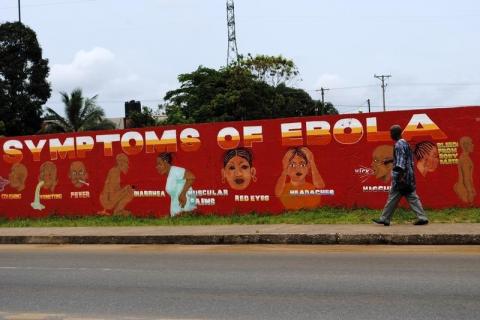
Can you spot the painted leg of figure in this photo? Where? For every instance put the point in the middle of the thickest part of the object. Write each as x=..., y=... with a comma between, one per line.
x=393, y=198
x=416, y=206
x=125, y=196
x=106, y=203
x=461, y=191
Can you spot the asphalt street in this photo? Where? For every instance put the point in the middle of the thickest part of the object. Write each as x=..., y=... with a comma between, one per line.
x=239, y=282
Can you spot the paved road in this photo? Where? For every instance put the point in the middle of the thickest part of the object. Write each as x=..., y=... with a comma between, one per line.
x=239, y=282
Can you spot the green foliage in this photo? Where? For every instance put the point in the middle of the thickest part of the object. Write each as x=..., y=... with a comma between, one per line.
x=272, y=70
x=142, y=119
x=327, y=109
x=23, y=79
x=2, y=128
x=235, y=93
x=323, y=215
x=82, y=114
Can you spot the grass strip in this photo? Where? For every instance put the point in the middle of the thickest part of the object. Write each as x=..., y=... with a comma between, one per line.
x=318, y=216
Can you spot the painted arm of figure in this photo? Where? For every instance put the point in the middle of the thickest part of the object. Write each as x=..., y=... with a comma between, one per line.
x=189, y=179
x=128, y=190
x=316, y=177
x=283, y=176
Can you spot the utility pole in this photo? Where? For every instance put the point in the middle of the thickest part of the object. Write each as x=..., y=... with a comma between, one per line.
x=368, y=102
x=322, y=90
x=382, y=78
x=19, y=13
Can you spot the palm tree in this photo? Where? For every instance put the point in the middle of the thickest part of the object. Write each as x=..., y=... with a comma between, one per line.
x=82, y=114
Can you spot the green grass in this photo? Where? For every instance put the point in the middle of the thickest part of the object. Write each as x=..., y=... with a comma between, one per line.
x=319, y=216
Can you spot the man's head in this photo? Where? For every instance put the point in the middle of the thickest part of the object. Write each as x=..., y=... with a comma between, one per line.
x=396, y=132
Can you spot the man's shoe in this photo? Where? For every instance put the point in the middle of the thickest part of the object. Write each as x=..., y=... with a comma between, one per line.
x=378, y=221
x=420, y=222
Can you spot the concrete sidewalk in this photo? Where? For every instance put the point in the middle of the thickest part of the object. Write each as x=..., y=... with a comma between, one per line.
x=432, y=234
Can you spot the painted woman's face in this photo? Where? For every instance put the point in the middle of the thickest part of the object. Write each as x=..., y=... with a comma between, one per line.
x=432, y=160
x=162, y=166
x=238, y=173
x=297, y=169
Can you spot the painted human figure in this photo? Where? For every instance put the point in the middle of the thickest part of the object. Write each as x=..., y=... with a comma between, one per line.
x=47, y=179
x=18, y=175
x=238, y=170
x=465, y=188
x=297, y=163
x=114, y=196
x=78, y=174
x=426, y=154
x=48, y=174
x=178, y=186
x=381, y=168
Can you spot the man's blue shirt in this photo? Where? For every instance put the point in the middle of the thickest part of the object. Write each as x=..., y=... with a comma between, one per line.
x=403, y=166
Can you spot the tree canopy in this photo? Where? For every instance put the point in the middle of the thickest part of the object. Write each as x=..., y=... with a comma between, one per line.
x=82, y=114
x=144, y=118
x=272, y=70
x=23, y=79
x=238, y=92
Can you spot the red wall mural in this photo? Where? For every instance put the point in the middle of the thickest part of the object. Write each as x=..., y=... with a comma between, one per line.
x=236, y=167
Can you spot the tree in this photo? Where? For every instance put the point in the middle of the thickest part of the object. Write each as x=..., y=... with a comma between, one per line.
x=328, y=108
x=2, y=128
x=82, y=114
x=233, y=93
x=141, y=119
x=273, y=70
x=23, y=79
x=291, y=102
x=208, y=95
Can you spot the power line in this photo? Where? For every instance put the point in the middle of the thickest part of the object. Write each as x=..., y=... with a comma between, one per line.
x=354, y=87
x=49, y=4
x=426, y=84
x=401, y=106
x=413, y=84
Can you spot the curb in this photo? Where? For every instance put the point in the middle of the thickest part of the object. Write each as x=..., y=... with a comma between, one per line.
x=306, y=239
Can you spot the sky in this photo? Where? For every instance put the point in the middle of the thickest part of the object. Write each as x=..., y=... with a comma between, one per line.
x=125, y=50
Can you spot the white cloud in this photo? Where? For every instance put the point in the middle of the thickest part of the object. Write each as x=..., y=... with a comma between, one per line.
x=88, y=70
x=100, y=71
x=329, y=80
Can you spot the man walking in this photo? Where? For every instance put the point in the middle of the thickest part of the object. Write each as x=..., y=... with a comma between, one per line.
x=403, y=181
